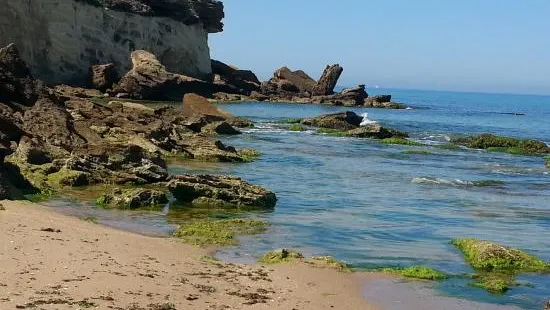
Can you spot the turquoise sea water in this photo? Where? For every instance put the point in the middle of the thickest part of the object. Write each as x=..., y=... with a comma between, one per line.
x=376, y=205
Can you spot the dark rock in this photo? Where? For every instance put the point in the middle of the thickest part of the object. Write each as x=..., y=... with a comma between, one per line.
x=245, y=80
x=32, y=152
x=219, y=191
x=16, y=81
x=103, y=77
x=381, y=98
x=133, y=198
x=221, y=128
x=348, y=97
x=327, y=82
x=258, y=96
x=53, y=124
x=547, y=306
x=375, y=131
x=287, y=84
x=341, y=121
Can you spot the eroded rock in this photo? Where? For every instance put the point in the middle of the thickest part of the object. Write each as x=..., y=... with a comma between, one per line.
x=133, y=198
x=103, y=77
x=327, y=82
x=220, y=191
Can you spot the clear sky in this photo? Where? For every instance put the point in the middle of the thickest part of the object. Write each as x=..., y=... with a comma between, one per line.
x=466, y=45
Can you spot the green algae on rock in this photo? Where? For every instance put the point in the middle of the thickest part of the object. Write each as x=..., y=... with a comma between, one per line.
x=494, y=282
x=417, y=272
x=248, y=155
x=219, y=232
x=297, y=127
x=281, y=256
x=133, y=198
x=329, y=262
x=490, y=257
x=547, y=161
x=494, y=143
x=400, y=141
x=418, y=152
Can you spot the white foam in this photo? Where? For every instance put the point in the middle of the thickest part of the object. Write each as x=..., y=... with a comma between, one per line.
x=366, y=121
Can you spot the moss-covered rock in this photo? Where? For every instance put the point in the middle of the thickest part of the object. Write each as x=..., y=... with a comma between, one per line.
x=547, y=161
x=133, y=198
x=417, y=272
x=219, y=232
x=493, y=282
x=297, y=127
x=67, y=177
x=491, y=257
x=496, y=143
x=418, y=152
x=248, y=155
x=400, y=141
x=329, y=262
x=281, y=256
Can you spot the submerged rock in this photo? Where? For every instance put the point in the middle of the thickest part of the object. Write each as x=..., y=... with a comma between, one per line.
x=281, y=256
x=376, y=131
x=417, y=272
x=222, y=191
x=133, y=198
x=496, y=143
x=219, y=232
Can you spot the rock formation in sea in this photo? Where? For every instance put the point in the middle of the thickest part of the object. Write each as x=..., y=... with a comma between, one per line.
x=61, y=39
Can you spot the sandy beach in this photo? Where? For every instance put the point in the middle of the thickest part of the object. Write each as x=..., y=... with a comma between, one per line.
x=52, y=261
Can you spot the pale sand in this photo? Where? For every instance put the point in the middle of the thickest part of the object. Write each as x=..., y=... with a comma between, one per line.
x=114, y=269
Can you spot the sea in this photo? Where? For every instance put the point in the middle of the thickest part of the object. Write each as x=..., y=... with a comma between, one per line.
x=375, y=205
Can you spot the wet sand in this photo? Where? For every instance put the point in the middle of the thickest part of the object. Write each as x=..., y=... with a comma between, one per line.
x=52, y=261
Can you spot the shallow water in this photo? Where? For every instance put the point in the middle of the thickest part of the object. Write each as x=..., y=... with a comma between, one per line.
x=376, y=205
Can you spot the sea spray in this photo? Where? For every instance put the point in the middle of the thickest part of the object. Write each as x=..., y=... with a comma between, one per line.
x=366, y=121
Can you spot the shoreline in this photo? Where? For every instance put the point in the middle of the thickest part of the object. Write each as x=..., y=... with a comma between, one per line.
x=91, y=265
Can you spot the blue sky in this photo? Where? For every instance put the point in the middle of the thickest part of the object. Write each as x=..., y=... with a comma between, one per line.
x=466, y=45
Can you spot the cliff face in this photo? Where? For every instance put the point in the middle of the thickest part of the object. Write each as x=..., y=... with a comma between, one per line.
x=61, y=39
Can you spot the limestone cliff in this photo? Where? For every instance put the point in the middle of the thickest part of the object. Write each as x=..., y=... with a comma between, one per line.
x=61, y=39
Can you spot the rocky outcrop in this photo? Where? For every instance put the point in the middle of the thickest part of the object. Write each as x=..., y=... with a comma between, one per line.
x=348, y=124
x=348, y=97
x=58, y=138
x=245, y=80
x=61, y=39
x=133, y=198
x=150, y=80
x=221, y=191
x=327, y=82
x=286, y=83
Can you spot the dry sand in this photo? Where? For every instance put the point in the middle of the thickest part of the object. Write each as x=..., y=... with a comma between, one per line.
x=79, y=264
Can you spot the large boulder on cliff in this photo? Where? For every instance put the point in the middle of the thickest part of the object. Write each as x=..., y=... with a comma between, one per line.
x=327, y=82
x=103, y=77
x=245, y=80
x=150, y=80
x=220, y=191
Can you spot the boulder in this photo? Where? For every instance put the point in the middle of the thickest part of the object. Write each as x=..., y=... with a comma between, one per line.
x=133, y=198
x=381, y=98
x=220, y=128
x=195, y=106
x=102, y=77
x=219, y=191
x=31, y=151
x=245, y=80
x=78, y=92
x=348, y=97
x=340, y=121
x=299, y=79
x=148, y=79
x=375, y=131
x=327, y=82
